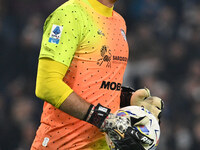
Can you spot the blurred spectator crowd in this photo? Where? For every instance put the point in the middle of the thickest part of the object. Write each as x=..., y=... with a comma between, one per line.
x=164, y=41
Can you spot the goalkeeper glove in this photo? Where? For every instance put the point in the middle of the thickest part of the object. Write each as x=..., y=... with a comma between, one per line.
x=143, y=98
x=119, y=128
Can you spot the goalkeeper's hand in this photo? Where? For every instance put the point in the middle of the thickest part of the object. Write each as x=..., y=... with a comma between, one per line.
x=119, y=128
x=131, y=139
x=123, y=135
x=143, y=98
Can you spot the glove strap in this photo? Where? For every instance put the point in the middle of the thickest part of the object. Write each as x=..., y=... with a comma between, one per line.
x=126, y=93
x=97, y=115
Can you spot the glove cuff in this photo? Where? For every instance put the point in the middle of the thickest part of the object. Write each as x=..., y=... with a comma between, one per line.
x=125, y=97
x=97, y=115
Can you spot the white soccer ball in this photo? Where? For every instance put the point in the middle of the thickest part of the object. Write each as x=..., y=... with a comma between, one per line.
x=151, y=129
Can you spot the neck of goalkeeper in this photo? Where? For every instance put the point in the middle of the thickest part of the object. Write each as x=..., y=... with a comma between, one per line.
x=108, y=3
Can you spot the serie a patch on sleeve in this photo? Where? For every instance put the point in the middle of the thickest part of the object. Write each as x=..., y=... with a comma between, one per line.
x=55, y=35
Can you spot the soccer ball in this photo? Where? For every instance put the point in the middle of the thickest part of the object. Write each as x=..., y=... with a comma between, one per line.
x=151, y=129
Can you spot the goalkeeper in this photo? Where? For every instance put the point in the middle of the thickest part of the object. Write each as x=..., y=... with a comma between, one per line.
x=83, y=57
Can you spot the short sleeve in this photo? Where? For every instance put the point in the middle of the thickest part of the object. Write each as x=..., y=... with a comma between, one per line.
x=61, y=35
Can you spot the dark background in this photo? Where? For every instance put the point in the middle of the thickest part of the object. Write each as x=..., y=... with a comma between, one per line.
x=164, y=39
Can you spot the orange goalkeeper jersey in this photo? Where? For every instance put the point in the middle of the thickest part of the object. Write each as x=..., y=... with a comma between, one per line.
x=84, y=36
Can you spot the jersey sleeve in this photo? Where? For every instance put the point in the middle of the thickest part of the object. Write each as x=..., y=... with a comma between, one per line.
x=49, y=84
x=61, y=35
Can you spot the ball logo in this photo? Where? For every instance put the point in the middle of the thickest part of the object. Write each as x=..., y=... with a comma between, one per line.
x=143, y=129
x=125, y=113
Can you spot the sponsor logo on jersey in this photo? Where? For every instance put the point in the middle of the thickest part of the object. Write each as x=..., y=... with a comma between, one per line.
x=106, y=57
x=123, y=34
x=120, y=58
x=55, y=34
x=111, y=86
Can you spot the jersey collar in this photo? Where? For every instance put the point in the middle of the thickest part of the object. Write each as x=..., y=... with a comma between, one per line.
x=100, y=8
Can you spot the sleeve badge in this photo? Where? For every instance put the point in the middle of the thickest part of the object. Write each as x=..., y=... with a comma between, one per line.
x=55, y=35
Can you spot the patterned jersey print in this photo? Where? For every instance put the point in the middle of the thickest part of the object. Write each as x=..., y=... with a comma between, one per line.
x=95, y=49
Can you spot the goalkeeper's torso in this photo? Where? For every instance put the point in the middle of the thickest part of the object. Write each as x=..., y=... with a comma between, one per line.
x=95, y=73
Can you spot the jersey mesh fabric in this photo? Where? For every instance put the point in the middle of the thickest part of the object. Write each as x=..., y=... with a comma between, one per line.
x=96, y=51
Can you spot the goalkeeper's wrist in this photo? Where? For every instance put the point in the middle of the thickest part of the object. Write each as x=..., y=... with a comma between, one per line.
x=96, y=115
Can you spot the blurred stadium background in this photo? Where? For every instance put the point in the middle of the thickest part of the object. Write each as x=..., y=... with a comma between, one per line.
x=164, y=39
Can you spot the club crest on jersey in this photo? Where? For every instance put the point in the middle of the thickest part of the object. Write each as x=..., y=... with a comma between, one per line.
x=123, y=34
x=55, y=35
x=106, y=57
